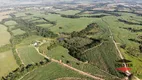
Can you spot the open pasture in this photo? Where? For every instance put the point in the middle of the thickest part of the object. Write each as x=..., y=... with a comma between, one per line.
x=5, y=35
x=18, y=32
x=29, y=55
x=68, y=12
x=68, y=24
x=10, y=23
x=7, y=63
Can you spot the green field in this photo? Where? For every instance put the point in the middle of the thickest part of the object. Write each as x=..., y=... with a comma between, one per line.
x=18, y=32
x=52, y=71
x=5, y=36
x=68, y=12
x=30, y=40
x=7, y=63
x=20, y=14
x=67, y=24
x=60, y=53
x=10, y=23
x=29, y=55
x=45, y=25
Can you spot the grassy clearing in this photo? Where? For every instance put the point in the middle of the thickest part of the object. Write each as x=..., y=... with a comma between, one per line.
x=29, y=55
x=41, y=20
x=20, y=14
x=45, y=25
x=10, y=23
x=11, y=27
x=68, y=12
x=4, y=34
x=30, y=40
x=7, y=63
x=18, y=32
x=52, y=71
x=60, y=53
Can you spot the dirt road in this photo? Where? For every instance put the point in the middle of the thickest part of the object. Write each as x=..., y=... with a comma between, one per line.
x=70, y=67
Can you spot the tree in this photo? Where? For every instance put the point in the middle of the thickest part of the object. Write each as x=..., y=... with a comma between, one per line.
x=123, y=46
x=140, y=48
x=67, y=62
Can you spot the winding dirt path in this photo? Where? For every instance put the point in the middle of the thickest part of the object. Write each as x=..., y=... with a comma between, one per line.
x=70, y=67
x=19, y=57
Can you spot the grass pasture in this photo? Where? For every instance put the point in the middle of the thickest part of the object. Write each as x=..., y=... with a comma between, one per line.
x=20, y=14
x=7, y=63
x=10, y=23
x=18, y=32
x=68, y=12
x=45, y=25
x=29, y=55
x=30, y=40
x=67, y=24
x=5, y=35
x=53, y=71
x=60, y=53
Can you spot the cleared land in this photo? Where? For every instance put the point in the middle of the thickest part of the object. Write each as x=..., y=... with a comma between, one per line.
x=4, y=34
x=45, y=25
x=10, y=23
x=7, y=63
x=60, y=53
x=67, y=24
x=18, y=32
x=29, y=55
x=30, y=40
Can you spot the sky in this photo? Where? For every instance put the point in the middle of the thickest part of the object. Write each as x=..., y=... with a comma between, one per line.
x=9, y=2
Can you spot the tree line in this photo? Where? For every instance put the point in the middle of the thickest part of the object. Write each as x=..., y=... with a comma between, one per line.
x=31, y=27
x=130, y=23
x=133, y=30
